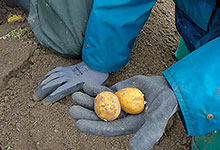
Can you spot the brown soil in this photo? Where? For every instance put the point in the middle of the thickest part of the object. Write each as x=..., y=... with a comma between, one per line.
x=29, y=125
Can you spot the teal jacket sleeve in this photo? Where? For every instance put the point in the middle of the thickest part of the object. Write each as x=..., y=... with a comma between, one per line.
x=195, y=81
x=111, y=32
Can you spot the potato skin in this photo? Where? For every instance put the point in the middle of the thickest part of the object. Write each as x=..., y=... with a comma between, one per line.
x=131, y=100
x=107, y=106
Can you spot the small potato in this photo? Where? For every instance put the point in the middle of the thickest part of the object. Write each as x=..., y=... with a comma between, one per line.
x=131, y=100
x=107, y=106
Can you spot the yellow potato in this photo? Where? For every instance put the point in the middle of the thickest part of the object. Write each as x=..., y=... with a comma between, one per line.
x=107, y=106
x=131, y=100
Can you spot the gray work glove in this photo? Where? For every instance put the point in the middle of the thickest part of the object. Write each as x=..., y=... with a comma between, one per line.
x=147, y=127
x=65, y=80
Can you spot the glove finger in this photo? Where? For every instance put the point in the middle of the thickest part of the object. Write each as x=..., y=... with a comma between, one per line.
x=51, y=77
x=43, y=90
x=124, y=126
x=55, y=70
x=79, y=112
x=94, y=89
x=61, y=92
x=84, y=100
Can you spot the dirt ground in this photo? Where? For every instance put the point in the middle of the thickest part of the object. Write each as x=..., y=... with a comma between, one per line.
x=29, y=125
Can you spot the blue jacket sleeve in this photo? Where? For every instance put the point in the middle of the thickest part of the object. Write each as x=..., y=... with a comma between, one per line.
x=111, y=32
x=195, y=81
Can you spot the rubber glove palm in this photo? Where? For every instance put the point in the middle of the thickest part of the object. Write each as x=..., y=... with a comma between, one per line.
x=147, y=127
x=65, y=80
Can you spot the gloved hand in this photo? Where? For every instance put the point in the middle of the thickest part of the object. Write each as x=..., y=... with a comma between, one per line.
x=147, y=126
x=65, y=80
